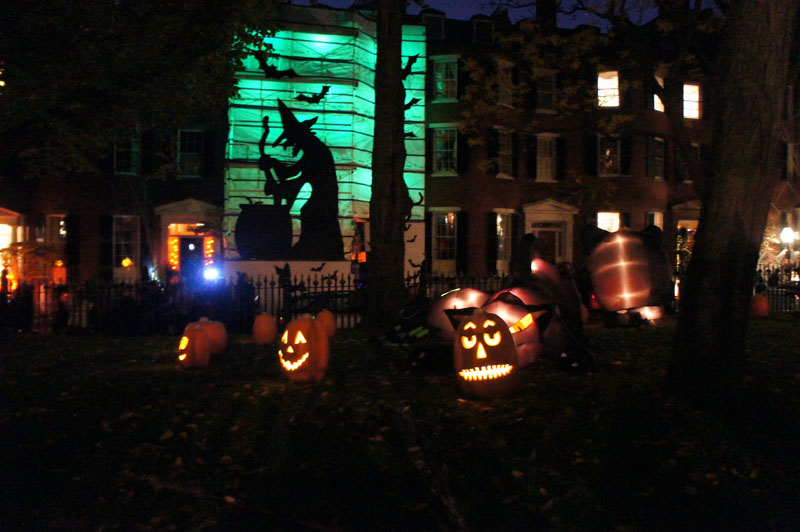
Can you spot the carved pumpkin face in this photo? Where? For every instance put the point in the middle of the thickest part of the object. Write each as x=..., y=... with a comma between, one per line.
x=303, y=350
x=194, y=348
x=485, y=355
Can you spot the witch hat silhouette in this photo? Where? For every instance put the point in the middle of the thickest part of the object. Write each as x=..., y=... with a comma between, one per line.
x=293, y=129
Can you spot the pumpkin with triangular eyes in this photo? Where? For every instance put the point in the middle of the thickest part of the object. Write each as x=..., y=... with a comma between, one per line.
x=303, y=350
x=485, y=355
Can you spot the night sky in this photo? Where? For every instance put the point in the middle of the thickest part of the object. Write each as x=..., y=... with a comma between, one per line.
x=459, y=9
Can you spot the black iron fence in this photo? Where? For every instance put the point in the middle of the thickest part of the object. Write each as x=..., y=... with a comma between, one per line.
x=781, y=287
x=150, y=308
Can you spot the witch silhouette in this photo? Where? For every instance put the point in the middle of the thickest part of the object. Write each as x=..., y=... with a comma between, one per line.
x=320, y=235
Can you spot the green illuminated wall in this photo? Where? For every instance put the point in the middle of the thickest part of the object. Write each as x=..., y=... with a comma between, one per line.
x=323, y=47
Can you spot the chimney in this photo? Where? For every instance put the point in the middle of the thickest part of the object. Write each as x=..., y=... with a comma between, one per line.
x=546, y=14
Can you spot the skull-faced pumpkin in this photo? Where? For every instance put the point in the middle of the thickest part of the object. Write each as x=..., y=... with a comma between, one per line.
x=303, y=350
x=485, y=356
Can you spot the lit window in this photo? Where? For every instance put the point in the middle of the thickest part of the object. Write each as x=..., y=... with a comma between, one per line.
x=126, y=241
x=655, y=218
x=658, y=105
x=505, y=162
x=608, y=221
x=691, y=100
x=608, y=89
x=655, y=157
x=503, y=236
x=126, y=155
x=444, y=235
x=608, y=162
x=6, y=235
x=545, y=159
x=445, y=146
x=190, y=153
x=445, y=75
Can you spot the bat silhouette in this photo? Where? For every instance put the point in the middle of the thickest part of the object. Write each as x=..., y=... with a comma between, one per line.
x=413, y=264
x=271, y=71
x=407, y=69
x=409, y=135
x=316, y=98
x=318, y=268
x=413, y=239
x=411, y=102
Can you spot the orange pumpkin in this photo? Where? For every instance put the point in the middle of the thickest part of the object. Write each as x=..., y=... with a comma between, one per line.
x=328, y=321
x=265, y=329
x=194, y=349
x=303, y=350
x=217, y=334
x=485, y=355
x=759, y=306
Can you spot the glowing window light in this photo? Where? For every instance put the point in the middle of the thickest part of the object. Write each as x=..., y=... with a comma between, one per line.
x=691, y=100
x=173, y=253
x=126, y=262
x=608, y=89
x=608, y=221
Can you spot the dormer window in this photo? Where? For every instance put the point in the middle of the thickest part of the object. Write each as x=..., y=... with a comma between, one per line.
x=434, y=26
x=483, y=31
x=608, y=88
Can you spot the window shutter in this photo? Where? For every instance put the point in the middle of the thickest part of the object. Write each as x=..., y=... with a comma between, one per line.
x=515, y=154
x=561, y=159
x=106, y=242
x=531, y=156
x=784, y=158
x=533, y=97
x=462, y=153
x=429, y=151
x=590, y=160
x=625, y=146
x=428, y=241
x=625, y=220
x=462, y=240
x=491, y=242
x=148, y=160
x=72, y=245
x=492, y=151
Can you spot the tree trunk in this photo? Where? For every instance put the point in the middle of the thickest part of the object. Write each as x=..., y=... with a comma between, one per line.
x=390, y=203
x=748, y=114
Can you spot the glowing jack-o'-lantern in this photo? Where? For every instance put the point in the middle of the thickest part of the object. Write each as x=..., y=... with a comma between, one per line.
x=485, y=356
x=194, y=349
x=303, y=350
x=759, y=306
x=265, y=329
x=620, y=272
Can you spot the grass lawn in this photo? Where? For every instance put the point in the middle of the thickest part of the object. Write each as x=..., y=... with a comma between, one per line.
x=101, y=433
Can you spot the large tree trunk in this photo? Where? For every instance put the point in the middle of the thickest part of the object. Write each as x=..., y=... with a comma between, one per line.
x=390, y=203
x=715, y=296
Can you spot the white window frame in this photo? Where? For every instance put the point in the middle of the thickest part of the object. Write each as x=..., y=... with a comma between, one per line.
x=546, y=157
x=692, y=101
x=608, y=88
x=503, y=233
x=190, y=163
x=126, y=234
x=445, y=81
x=446, y=264
x=436, y=169
x=505, y=153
